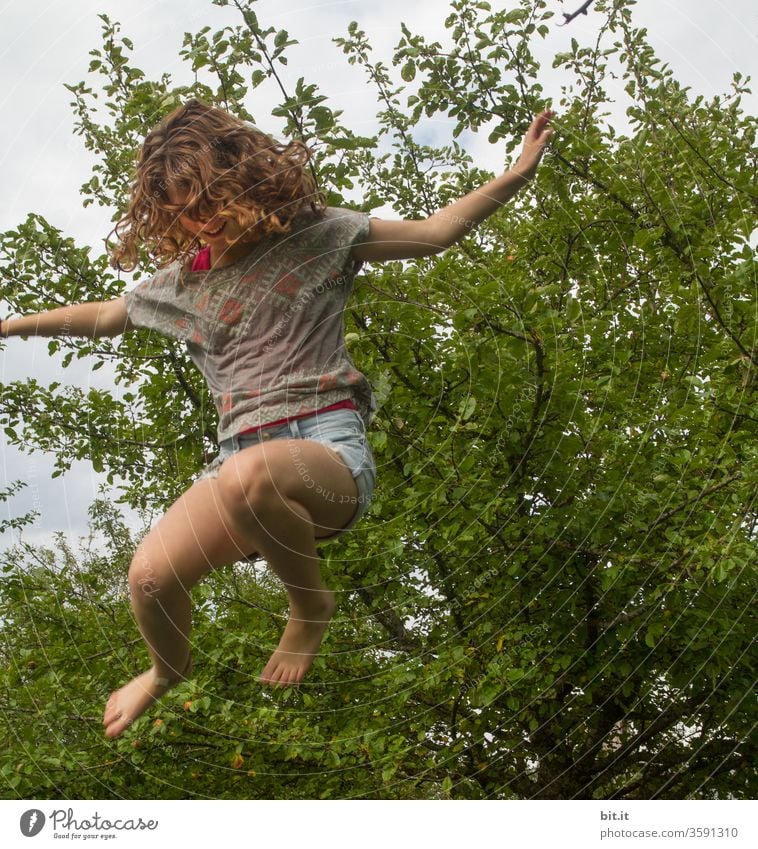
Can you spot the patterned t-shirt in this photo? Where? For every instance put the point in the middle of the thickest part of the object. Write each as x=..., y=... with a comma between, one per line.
x=266, y=331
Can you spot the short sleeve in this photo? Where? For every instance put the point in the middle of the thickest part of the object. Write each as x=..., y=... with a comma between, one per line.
x=328, y=241
x=153, y=304
x=354, y=231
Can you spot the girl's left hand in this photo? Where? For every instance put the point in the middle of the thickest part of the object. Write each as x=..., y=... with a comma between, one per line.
x=537, y=136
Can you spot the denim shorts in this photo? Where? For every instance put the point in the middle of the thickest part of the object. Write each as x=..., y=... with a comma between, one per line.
x=343, y=430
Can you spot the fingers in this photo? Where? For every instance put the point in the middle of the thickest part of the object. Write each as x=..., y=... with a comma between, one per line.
x=539, y=124
x=536, y=139
x=541, y=130
x=545, y=116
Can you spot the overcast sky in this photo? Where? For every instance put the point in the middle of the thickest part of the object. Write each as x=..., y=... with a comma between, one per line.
x=46, y=44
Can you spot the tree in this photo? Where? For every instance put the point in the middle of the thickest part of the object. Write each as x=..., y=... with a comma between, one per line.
x=550, y=596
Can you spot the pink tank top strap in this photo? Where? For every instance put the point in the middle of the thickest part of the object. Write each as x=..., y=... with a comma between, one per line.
x=202, y=260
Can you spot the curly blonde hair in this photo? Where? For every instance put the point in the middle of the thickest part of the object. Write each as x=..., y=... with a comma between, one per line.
x=221, y=165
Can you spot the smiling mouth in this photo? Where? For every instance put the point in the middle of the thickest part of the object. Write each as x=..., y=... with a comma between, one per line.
x=215, y=232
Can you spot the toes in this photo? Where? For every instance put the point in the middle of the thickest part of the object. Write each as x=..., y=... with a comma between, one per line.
x=277, y=675
x=265, y=676
x=116, y=723
x=110, y=710
x=112, y=718
x=273, y=673
x=280, y=675
x=296, y=676
x=117, y=727
x=291, y=677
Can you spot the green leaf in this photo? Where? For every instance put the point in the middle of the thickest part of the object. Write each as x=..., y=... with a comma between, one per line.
x=408, y=71
x=515, y=16
x=467, y=407
x=573, y=309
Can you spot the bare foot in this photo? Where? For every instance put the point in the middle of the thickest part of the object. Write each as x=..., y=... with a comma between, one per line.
x=299, y=644
x=134, y=698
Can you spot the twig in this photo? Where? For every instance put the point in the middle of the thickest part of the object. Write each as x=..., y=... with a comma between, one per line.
x=582, y=11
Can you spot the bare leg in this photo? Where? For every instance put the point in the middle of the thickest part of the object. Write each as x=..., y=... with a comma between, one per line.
x=311, y=603
x=291, y=491
x=194, y=536
x=259, y=503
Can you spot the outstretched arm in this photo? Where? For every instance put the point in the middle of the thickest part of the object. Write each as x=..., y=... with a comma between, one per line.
x=92, y=319
x=406, y=239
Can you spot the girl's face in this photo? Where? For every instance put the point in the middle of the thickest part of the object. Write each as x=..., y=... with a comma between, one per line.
x=216, y=231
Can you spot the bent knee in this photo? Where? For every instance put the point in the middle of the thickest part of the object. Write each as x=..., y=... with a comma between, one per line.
x=149, y=576
x=245, y=486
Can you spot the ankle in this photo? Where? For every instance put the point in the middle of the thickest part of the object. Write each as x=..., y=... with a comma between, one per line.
x=169, y=677
x=316, y=604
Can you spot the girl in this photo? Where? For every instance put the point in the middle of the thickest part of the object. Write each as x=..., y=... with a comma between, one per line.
x=253, y=274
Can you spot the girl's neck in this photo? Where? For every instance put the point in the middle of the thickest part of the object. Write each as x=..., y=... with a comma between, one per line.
x=229, y=254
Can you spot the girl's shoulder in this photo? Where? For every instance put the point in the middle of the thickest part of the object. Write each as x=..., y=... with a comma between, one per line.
x=163, y=284
x=336, y=220
x=169, y=274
